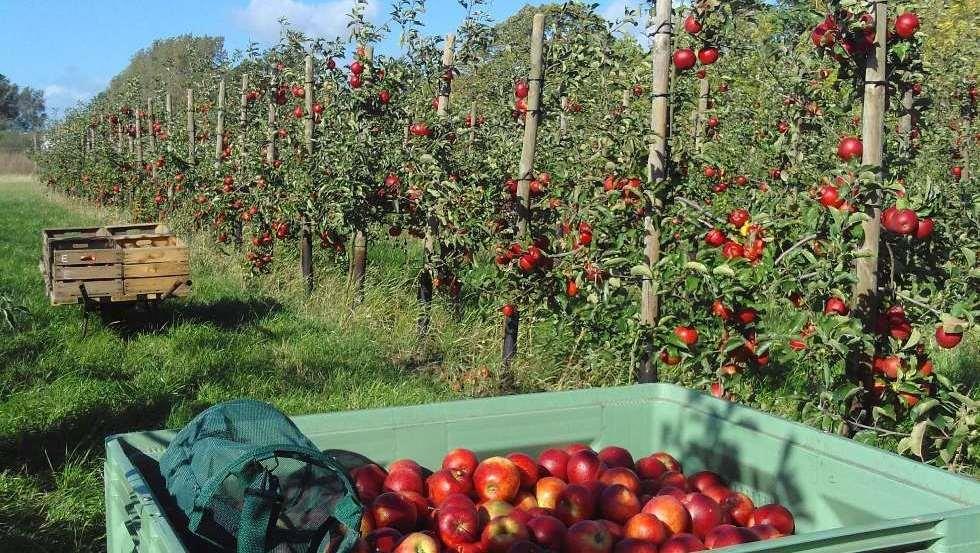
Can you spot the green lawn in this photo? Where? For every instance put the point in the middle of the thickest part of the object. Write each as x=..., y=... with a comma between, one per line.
x=61, y=394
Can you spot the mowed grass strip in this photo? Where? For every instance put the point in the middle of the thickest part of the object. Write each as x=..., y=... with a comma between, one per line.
x=235, y=336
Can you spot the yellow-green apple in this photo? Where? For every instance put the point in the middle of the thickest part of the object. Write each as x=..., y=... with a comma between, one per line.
x=418, y=542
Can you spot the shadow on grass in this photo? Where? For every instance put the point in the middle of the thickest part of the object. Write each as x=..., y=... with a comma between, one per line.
x=227, y=314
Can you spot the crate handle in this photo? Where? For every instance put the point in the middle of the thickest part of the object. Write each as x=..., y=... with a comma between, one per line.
x=87, y=258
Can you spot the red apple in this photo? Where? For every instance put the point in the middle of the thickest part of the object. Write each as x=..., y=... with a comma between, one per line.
x=554, y=462
x=391, y=510
x=383, y=540
x=404, y=480
x=496, y=478
x=616, y=457
x=671, y=512
x=618, y=504
x=646, y=527
x=849, y=148
x=547, y=531
x=739, y=507
x=461, y=461
x=422, y=507
x=650, y=467
x=405, y=464
x=503, y=532
x=673, y=479
x=494, y=508
x=718, y=493
x=629, y=545
x=368, y=481
x=765, y=532
x=527, y=467
x=458, y=524
x=584, y=465
x=418, y=543
x=444, y=483
x=547, y=490
x=526, y=546
x=776, y=515
x=575, y=503
x=705, y=513
x=525, y=500
x=727, y=534
x=622, y=476
x=704, y=479
x=576, y=447
x=668, y=460
x=947, y=340
x=588, y=536
x=682, y=543
x=672, y=491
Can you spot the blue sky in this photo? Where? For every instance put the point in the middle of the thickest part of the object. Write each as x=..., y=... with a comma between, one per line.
x=71, y=48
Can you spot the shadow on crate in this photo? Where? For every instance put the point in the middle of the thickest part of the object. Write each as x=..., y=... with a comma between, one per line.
x=225, y=314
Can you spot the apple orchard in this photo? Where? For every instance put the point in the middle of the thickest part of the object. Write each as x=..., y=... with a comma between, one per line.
x=739, y=197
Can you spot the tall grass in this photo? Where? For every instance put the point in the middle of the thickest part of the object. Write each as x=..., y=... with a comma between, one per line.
x=16, y=163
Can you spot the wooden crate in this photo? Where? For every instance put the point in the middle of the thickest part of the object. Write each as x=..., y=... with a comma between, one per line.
x=117, y=262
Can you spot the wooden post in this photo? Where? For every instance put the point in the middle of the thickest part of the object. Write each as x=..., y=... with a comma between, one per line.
x=139, y=139
x=865, y=293
x=270, y=150
x=905, y=119
x=531, y=120
x=191, y=136
x=704, y=90
x=656, y=174
x=526, y=171
x=219, y=131
x=359, y=241
x=149, y=125
x=168, y=107
x=472, y=123
x=305, y=233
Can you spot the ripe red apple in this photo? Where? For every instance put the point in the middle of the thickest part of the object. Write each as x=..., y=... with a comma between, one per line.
x=618, y=504
x=906, y=24
x=443, y=483
x=630, y=545
x=692, y=25
x=527, y=467
x=383, y=540
x=575, y=503
x=673, y=479
x=829, y=196
x=496, y=478
x=547, y=531
x=684, y=59
x=588, y=536
x=739, y=507
x=404, y=480
x=668, y=460
x=576, y=447
x=391, y=510
x=765, y=532
x=849, y=148
x=646, y=527
x=622, y=476
x=738, y=217
x=704, y=479
x=776, y=515
x=525, y=501
x=727, y=534
x=368, y=481
x=584, y=465
x=682, y=543
x=547, y=491
x=718, y=493
x=554, y=461
x=687, y=335
x=671, y=512
x=494, y=508
x=650, y=467
x=947, y=340
x=715, y=237
x=904, y=221
x=705, y=513
x=460, y=461
x=924, y=228
x=503, y=532
x=458, y=524
x=418, y=542
x=708, y=55
x=615, y=456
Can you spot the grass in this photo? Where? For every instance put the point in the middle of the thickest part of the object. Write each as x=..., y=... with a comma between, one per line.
x=238, y=336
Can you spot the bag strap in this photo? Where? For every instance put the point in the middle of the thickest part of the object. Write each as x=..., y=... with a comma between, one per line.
x=348, y=513
x=263, y=501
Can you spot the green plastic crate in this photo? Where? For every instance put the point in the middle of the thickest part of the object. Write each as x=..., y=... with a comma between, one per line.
x=846, y=497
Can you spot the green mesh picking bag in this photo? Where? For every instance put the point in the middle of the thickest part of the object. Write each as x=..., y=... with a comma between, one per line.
x=249, y=481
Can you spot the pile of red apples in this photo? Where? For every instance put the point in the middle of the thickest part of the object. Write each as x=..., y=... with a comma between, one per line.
x=568, y=500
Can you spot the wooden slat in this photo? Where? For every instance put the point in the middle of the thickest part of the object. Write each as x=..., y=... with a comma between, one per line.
x=88, y=272
x=68, y=291
x=138, y=229
x=142, y=270
x=154, y=255
x=81, y=232
x=86, y=257
x=146, y=241
x=153, y=285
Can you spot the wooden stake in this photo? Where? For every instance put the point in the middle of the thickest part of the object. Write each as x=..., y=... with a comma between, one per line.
x=656, y=174
x=526, y=171
x=191, y=136
x=905, y=120
x=270, y=150
x=359, y=241
x=305, y=233
x=149, y=125
x=219, y=131
x=865, y=293
x=139, y=137
x=704, y=90
x=168, y=107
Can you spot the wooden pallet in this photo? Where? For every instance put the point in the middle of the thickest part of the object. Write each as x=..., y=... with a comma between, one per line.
x=117, y=263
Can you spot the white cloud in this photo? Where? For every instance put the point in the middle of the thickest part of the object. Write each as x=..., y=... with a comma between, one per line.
x=616, y=10
x=319, y=19
x=69, y=89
